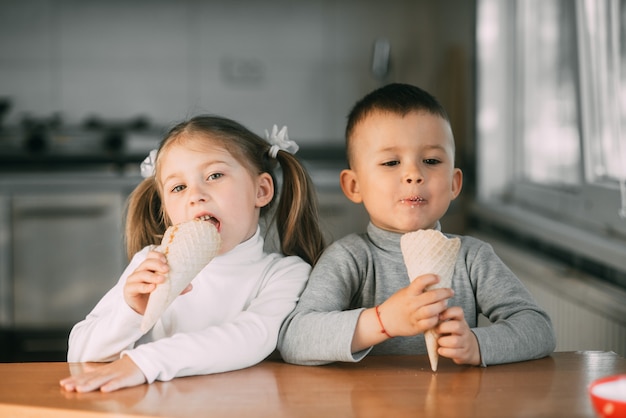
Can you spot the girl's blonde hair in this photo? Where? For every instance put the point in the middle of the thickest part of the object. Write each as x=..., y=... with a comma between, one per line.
x=296, y=215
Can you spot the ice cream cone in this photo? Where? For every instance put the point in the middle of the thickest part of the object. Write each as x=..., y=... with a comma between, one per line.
x=429, y=251
x=189, y=247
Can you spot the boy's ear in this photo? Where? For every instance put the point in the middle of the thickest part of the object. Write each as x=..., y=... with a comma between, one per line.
x=350, y=185
x=265, y=190
x=457, y=183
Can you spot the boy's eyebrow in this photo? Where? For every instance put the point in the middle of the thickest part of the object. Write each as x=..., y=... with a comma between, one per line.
x=427, y=146
x=436, y=146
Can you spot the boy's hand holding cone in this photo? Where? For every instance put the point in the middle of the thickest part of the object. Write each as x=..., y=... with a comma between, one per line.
x=428, y=251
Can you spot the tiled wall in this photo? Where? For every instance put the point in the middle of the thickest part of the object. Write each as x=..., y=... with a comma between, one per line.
x=300, y=63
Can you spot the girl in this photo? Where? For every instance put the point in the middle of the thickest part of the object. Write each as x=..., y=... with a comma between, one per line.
x=211, y=168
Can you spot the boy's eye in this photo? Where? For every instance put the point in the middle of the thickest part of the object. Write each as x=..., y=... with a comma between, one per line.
x=391, y=163
x=215, y=176
x=432, y=161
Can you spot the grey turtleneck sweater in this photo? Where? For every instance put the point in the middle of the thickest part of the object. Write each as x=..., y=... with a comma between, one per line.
x=362, y=271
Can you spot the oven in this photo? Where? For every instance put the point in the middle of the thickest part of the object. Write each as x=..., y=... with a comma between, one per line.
x=61, y=249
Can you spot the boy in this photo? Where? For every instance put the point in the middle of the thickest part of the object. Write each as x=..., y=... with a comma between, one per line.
x=400, y=151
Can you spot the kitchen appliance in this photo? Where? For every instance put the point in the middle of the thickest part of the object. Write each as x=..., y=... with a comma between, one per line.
x=62, y=196
x=61, y=249
x=46, y=143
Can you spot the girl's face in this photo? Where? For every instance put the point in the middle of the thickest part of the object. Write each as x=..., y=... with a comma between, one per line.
x=403, y=170
x=211, y=184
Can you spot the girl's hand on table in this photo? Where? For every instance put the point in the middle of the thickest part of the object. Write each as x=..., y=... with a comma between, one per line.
x=107, y=378
x=457, y=341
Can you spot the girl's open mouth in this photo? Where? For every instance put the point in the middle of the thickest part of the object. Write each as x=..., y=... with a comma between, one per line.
x=213, y=220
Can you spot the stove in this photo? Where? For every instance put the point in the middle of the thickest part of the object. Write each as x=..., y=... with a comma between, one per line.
x=47, y=143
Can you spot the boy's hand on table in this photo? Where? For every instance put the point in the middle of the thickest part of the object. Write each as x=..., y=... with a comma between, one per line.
x=456, y=340
x=107, y=378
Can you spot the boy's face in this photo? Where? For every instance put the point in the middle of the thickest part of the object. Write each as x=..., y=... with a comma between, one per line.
x=402, y=170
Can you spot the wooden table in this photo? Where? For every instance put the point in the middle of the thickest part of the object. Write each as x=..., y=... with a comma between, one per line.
x=384, y=386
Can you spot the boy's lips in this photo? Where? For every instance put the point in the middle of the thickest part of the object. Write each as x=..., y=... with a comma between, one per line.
x=413, y=200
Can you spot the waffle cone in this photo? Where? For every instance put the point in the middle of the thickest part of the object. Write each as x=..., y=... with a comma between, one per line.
x=428, y=251
x=189, y=247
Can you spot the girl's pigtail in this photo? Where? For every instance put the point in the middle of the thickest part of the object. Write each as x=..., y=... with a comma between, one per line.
x=145, y=224
x=297, y=216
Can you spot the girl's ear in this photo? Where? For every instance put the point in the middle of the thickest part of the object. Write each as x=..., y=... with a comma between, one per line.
x=350, y=185
x=265, y=190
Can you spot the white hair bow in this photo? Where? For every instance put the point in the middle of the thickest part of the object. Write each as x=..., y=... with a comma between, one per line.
x=148, y=164
x=280, y=141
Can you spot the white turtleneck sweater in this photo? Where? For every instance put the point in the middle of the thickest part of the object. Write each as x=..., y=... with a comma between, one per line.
x=230, y=320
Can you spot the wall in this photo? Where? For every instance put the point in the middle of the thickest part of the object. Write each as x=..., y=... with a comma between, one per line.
x=300, y=63
x=587, y=313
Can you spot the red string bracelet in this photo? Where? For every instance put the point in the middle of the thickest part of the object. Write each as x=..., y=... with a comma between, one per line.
x=382, y=327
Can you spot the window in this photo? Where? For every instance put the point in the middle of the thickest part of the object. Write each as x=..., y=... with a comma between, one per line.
x=551, y=123
x=548, y=109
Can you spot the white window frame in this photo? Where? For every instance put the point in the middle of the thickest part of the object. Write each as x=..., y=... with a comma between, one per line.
x=583, y=220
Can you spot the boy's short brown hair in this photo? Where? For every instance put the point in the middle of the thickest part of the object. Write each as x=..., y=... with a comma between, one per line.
x=396, y=98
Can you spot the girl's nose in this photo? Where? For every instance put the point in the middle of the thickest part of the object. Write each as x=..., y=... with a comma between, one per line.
x=197, y=195
x=198, y=199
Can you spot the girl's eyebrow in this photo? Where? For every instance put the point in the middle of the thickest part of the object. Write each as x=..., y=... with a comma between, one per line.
x=203, y=167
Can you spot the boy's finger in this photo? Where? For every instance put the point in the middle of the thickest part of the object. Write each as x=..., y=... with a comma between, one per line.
x=436, y=295
x=422, y=282
x=454, y=312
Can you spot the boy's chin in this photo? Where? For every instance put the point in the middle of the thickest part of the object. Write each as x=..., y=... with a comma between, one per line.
x=400, y=229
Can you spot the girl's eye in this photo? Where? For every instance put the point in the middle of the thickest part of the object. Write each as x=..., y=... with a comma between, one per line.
x=177, y=189
x=215, y=176
x=391, y=163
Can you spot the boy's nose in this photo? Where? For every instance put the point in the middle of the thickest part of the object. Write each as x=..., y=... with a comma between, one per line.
x=414, y=176
x=414, y=179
